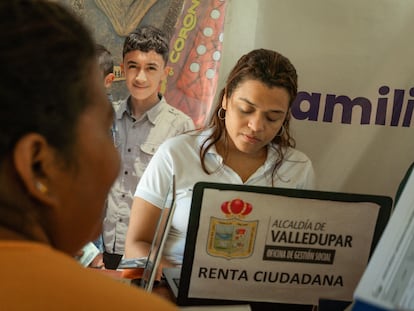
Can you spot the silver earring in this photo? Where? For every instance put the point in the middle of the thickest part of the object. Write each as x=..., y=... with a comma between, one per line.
x=221, y=113
x=281, y=131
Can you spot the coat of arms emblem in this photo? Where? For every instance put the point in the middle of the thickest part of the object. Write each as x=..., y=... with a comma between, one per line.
x=232, y=236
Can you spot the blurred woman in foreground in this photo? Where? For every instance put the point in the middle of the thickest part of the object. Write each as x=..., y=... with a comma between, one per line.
x=57, y=163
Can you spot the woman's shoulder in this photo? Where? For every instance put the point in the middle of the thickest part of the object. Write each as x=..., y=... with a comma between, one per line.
x=298, y=155
x=191, y=138
x=293, y=154
x=66, y=278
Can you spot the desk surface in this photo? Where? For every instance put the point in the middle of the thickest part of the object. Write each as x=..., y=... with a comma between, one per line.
x=162, y=289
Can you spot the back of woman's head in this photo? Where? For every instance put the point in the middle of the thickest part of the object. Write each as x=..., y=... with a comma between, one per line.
x=45, y=57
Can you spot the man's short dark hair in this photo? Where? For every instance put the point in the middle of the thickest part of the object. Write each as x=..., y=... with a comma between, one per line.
x=146, y=39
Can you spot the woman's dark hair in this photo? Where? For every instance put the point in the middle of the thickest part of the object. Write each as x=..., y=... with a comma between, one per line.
x=45, y=57
x=270, y=68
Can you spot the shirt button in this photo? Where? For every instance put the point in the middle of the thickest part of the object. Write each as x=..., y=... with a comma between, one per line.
x=129, y=149
x=126, y=172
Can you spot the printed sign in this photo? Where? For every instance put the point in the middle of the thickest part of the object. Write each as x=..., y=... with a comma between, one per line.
x=280, y=249
x=232, y=237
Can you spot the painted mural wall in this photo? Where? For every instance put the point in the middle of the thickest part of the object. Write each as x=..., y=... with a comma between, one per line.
x=195, y=29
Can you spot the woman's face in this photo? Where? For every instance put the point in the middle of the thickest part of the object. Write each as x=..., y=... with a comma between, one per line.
x=82, y=187
x=254, y=115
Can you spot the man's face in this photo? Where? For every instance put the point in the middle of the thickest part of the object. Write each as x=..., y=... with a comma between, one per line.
x=144, y=72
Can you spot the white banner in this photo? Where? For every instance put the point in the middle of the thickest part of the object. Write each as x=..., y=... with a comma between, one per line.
x=354, y=113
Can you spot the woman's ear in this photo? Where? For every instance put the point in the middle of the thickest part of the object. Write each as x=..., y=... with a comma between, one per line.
x=33, y=159
x=224, y=102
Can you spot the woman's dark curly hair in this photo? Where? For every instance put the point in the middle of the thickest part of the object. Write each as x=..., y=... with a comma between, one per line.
x=39, y=92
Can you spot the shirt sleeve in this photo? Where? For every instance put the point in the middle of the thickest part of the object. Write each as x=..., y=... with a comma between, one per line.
x=154, y=185
x=309, y=179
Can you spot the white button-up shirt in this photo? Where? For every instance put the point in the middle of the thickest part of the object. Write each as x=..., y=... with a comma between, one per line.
x=136, y=141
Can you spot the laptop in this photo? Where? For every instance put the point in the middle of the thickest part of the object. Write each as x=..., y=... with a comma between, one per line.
x=388, y=281
x=151, y=263
x=156, y=251
x=276, y=248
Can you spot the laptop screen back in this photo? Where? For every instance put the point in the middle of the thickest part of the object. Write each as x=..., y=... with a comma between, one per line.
x=158, y=243
x=277, y=246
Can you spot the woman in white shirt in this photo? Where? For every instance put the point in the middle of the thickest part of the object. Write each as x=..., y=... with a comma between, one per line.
x=247, y=141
